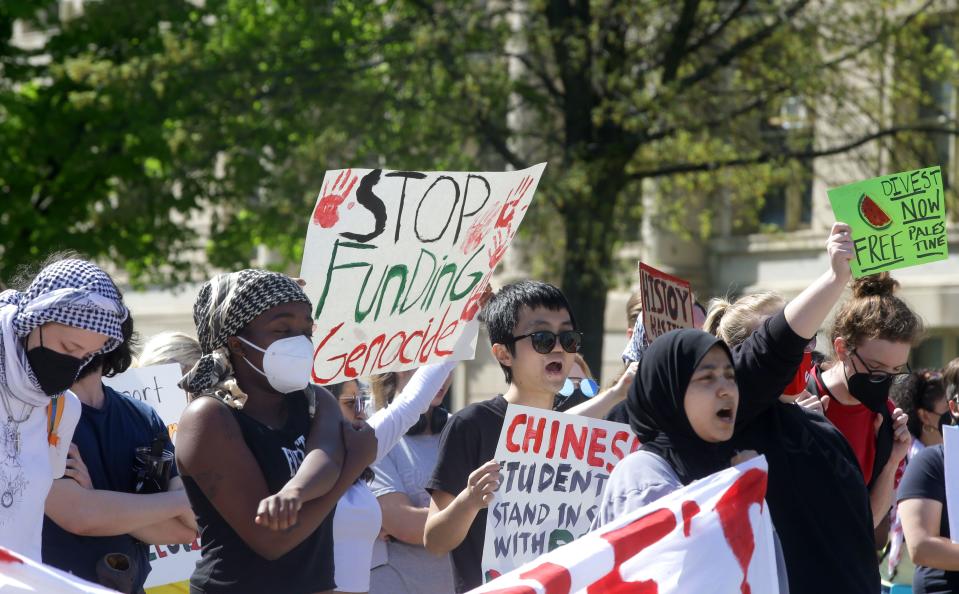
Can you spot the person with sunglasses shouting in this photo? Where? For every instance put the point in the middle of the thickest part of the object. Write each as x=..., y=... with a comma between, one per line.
x=872, y=335
x=534, y=338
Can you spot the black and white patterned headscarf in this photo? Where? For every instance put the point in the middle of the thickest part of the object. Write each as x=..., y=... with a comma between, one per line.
x=225, y=305
x=72, y=292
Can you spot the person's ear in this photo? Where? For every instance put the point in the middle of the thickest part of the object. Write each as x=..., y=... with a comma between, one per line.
x=841, y=348
x=502, y=355
x=235, y=346
x=927, y=418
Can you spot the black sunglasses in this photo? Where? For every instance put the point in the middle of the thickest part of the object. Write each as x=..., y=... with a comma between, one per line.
x=878, y=376
x=543, y=341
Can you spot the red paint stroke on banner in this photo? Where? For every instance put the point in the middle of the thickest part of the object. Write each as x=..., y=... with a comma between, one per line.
x=733, y=509
x=690, y=509
x=629, y=541
x=7, y=557
x=327, y=213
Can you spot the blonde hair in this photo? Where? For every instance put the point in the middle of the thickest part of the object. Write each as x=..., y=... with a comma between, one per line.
x=170, y=347
x=383, y=386
x=733, y=322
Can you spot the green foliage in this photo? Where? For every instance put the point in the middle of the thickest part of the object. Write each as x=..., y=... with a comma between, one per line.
x=164, y=135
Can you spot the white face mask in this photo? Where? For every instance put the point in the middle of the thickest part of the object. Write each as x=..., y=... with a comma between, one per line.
x=287, y=363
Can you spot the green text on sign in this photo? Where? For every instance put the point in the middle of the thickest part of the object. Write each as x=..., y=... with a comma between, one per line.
x=897, y=220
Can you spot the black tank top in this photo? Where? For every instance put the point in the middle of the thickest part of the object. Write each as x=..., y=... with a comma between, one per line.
x=227, y=564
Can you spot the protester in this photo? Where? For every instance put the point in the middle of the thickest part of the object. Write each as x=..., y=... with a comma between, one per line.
x=923, y=511
x=358, y=519
x=401, y=563
x=352, y=398
x=922, y=397
x=119, y=496
x=872, y=335
x=634, y=311
x=682, y=406
x=70, y=312
x=534, y=338
x=170, y=347
x=261, y=475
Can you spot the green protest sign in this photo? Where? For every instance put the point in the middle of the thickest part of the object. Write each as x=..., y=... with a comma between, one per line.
x=897, y=220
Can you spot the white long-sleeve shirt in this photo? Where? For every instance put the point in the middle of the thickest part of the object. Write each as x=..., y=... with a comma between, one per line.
x=357, y=519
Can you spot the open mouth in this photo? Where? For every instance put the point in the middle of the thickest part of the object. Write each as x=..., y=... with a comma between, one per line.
x=726, y=414
x=554, y=367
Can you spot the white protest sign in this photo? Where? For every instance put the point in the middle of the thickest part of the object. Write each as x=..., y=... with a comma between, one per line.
x=714, y=535
x=157, y=386
x=950, y=450
x=554, y=467
x=395, y=263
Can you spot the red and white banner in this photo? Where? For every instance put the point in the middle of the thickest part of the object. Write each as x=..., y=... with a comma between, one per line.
x=713, y=536
x=20, y=574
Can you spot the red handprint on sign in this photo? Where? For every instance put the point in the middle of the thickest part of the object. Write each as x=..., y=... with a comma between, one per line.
x=512, y=200
x=500, y=244
x=327, y=209
x=478, y=230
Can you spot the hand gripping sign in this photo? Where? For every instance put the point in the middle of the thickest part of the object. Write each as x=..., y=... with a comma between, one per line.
x=715, y=535
x=395, y=263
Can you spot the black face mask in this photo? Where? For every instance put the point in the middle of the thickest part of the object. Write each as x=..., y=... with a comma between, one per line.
x=55, y=371
x=873, y=395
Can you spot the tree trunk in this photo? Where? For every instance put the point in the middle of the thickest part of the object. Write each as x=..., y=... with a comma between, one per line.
x=587, y=269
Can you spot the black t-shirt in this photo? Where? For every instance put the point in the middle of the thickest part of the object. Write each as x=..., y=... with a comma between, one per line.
x=107, y=439
x=817, y=497
x=468, y=441
x=925, y=478
x=227, y=565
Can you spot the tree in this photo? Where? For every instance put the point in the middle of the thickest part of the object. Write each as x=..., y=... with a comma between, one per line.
x=149, y=113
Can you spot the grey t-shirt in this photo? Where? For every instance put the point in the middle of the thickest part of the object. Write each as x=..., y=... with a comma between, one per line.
x=405, y=568
x=640, y=478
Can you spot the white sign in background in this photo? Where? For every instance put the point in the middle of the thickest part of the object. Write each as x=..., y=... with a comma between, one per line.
x=950, y=449
x=395, y=263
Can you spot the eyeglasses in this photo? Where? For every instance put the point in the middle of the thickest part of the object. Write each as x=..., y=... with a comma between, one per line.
x=586, y=385
x=877, y=376
x=543, y=341
x=361, y=403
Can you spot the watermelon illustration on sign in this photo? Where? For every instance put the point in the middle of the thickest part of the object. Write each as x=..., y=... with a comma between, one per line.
x=873, y=214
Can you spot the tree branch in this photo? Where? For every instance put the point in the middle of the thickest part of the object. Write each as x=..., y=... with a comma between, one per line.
x=677, y=46
x=768, y=156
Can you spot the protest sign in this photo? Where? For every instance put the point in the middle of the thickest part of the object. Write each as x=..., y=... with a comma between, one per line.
x=157, y=386
x=21, y=574
x=554, y=467
x=714, y=535
x=950, y=450
x=667, y=302
x=395, y=263
x=897, y=220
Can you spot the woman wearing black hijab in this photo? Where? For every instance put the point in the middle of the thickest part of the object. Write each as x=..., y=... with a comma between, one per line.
x=682, y=406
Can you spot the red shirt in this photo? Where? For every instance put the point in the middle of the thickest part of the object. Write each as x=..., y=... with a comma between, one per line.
x=857, y=424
